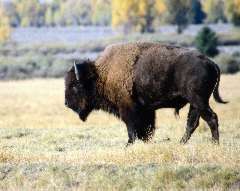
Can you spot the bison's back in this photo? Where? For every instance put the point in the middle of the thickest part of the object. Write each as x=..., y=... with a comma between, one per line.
x=169, y=75
x=151, y=71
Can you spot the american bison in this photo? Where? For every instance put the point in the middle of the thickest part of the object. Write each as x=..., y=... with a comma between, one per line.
x=132, y=80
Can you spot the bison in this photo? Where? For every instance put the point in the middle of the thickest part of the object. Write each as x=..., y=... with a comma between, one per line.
x=132, y=80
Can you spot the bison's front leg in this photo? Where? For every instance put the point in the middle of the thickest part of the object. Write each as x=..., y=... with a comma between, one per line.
x=140, y=124
x=146, y=128
x=132, y=134
x=130, y=117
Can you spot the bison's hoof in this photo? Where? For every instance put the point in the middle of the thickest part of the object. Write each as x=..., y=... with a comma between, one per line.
x=215, y=141
x=183, y=141
x=128, y=145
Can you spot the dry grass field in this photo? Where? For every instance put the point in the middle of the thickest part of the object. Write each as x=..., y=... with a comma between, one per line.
x=44, y=146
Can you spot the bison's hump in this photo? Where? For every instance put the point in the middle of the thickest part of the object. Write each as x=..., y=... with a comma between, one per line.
x=115, y=68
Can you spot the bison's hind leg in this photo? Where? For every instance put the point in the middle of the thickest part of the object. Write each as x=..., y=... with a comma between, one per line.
x=201, y=104
x=192, y=124
x=211, y=118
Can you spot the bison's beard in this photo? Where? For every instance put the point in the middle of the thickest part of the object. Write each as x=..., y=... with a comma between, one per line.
x=83, y=114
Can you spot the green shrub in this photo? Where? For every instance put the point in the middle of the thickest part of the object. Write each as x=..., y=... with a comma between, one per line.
x=58, y=67
x=206, y=42
x=228, y=63
x=33, y=67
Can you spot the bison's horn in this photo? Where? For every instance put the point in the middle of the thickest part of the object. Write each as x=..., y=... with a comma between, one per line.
x=76, y=70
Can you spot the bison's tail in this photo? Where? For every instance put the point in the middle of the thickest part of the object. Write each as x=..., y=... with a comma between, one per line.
x=216, y=95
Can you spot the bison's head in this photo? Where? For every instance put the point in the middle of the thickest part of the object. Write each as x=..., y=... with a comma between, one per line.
x=80, y=83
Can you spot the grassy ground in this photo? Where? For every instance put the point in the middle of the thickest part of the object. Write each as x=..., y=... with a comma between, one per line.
x=44, y=146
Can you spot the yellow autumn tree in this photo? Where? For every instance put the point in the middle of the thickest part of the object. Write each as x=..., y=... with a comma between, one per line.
x=214, y=10
x=4, y=25
x=124, y=12
x=31, y=12
x=136, y=14
x=101, y=12
x=232, y=10
x=160, y=6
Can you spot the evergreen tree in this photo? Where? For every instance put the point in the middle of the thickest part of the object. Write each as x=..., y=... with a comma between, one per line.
x=206, y=42
x=178, y=13
x=197, y=14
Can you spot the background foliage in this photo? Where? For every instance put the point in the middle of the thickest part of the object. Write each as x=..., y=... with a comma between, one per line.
x=139, y=19
x=4, y=25
x=206, y=42
x=132, y=15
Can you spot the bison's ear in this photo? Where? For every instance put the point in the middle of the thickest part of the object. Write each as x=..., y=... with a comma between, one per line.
x=91, y=70
x=85, y=71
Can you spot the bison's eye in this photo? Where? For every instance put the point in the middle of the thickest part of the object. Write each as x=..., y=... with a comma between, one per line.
x=82, y=103
x=75, y=90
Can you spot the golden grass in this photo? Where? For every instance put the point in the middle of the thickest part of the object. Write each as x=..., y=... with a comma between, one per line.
x=44, y=146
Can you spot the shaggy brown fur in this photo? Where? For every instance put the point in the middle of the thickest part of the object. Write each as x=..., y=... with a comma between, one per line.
x=132, y=80
x=115, y=69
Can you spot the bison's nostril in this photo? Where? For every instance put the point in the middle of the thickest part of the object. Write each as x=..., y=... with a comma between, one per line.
x=66, y=104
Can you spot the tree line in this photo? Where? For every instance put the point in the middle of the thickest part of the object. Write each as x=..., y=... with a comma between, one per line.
x=131, y=15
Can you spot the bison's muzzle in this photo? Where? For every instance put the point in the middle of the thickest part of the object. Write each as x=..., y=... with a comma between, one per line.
x=83, y=115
